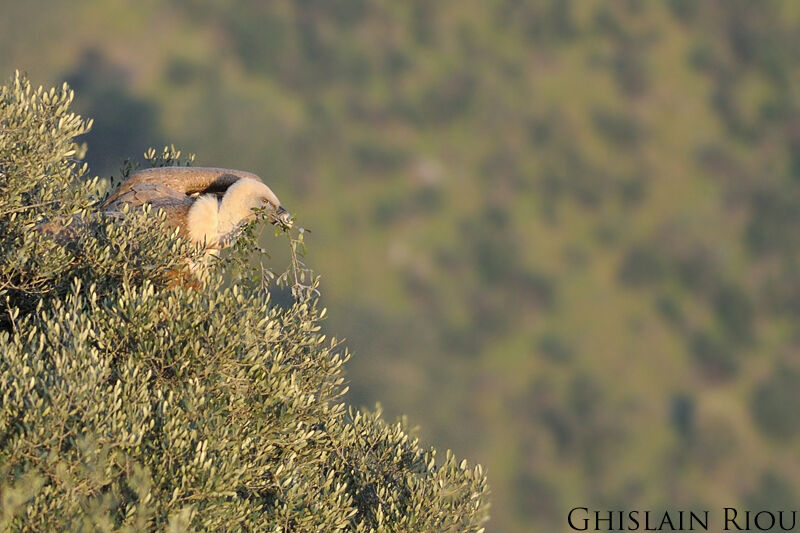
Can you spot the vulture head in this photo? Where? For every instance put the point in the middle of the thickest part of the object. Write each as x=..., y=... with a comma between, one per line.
x=208, y=206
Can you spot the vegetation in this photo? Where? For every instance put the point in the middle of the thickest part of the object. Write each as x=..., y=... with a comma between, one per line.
x=562, y=235
x=133, y=402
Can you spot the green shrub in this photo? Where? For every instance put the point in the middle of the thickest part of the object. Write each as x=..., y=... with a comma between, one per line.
x=775, y=404
x=130, y=402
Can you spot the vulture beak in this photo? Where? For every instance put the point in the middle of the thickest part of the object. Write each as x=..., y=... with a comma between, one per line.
x=282, y=218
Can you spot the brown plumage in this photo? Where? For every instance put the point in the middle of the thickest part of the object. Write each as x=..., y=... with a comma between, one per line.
x=181, y=180
x=207, y=205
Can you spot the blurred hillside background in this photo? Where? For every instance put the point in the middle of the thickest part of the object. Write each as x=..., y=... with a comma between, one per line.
x=561, y=236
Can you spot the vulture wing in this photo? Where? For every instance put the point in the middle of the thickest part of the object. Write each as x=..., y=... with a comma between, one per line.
x=149, y=193
x=182, y=180
x=175, y=204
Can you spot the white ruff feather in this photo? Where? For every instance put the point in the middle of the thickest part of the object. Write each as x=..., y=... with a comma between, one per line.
x=203, y=220
x=238, y=203
x=216, y=223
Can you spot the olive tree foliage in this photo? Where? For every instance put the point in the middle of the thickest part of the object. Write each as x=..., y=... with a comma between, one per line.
x=132, y=401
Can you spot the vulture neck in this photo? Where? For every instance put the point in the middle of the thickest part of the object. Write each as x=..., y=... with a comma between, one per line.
x=215, y=223
x=237, y=205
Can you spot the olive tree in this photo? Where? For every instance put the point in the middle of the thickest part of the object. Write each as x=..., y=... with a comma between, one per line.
x=133, y=400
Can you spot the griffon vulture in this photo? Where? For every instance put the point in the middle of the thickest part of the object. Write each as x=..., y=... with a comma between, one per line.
x=207, y=205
